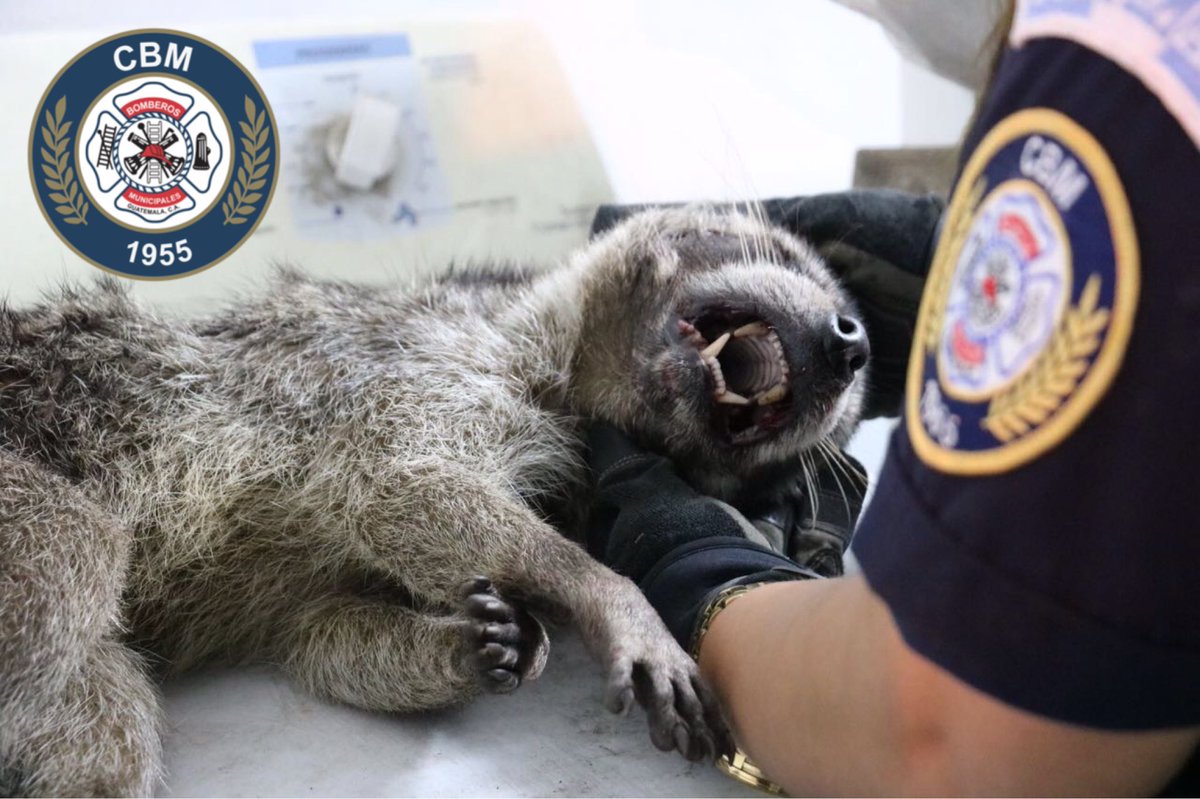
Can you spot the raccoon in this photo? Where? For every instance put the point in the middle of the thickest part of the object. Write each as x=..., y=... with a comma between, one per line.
x=309, y=477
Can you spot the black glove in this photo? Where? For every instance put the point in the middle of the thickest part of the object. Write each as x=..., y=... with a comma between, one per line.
x=880, y=243
x=683, y=548
x=814, y=528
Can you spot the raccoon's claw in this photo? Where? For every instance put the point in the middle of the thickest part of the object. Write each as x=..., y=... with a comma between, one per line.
x=506, y=643
x=682, y=712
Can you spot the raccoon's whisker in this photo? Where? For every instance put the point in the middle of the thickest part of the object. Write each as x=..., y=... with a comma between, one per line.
x=852, y=473
x=761, y=217
x=834, y=465
x=742, y=243
x=833, y=457
x=838, y=463
x=760, y=213
x=810, y=489
x=755, y=243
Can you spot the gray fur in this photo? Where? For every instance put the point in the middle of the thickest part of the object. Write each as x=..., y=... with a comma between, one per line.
x=309, y=477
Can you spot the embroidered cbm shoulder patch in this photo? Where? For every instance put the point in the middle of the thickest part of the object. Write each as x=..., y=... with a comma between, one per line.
x=1030, y=300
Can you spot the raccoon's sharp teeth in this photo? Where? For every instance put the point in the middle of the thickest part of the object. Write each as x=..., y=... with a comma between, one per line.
x=779, y=352
x=730, y=398
x=773, y=395
x=714, y=349
x=752, y=329
x=714, y=369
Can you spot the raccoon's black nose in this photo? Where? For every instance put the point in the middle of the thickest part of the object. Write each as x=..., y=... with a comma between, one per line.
x=846, y=345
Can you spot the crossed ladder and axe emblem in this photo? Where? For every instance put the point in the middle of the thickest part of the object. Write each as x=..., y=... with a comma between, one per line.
x=154, y=151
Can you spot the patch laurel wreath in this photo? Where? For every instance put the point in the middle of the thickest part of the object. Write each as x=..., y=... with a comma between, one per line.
x=251, y=176
x=958, y=227
x=1053, y=378
x=57, y=172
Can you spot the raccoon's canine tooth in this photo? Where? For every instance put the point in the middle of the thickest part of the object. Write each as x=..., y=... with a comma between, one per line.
x=773, y=395
x=730, y=398
x=751, y=329
x=714, y=349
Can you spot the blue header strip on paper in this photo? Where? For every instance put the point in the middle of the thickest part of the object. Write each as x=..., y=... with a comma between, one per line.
x=329, y=49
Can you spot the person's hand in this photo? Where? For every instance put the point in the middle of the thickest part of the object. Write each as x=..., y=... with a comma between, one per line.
x=879, y=242
x=642, y=510
x=684, y=548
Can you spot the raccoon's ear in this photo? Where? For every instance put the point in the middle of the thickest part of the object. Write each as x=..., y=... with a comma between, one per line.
x=652, y=263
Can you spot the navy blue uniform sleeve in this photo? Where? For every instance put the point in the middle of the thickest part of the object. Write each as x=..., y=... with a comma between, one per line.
x=1036, y=527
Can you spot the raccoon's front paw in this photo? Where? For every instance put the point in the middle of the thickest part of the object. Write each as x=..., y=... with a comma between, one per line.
x=681, y=710
x=506, y=643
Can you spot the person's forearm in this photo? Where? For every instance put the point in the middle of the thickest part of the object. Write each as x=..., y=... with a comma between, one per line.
x=825, y=697
x=799, y=698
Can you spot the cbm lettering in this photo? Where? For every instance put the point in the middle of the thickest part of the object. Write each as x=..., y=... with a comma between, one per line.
x=153, y=55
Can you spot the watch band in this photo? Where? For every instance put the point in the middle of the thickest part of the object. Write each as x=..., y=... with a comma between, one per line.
x=721, y=601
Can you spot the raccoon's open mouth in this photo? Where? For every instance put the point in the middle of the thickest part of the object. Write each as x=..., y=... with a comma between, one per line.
x=748, y=372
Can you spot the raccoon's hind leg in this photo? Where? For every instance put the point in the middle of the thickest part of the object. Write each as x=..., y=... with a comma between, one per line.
x=507, y=644
x=375, y=654
x=79, y=716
